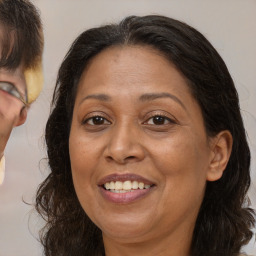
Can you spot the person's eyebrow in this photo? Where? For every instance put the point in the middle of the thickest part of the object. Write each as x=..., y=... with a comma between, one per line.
x=154, y=96
x=143, y=97
x=101, y=97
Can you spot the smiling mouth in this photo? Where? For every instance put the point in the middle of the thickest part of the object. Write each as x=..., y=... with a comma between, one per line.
x=126, y=186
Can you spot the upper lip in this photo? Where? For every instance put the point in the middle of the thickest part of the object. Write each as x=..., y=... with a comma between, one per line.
x=124, y=177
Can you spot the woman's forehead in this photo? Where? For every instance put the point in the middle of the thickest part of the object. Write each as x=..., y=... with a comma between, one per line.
x=134, y=74
x=130, y=67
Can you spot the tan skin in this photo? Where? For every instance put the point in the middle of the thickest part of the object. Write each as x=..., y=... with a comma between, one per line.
x=12, y=111
x=175, y=154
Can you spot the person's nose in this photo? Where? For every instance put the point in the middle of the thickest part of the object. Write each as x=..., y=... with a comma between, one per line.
x=124, y=145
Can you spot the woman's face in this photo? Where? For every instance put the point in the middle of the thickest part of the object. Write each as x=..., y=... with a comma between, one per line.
x=138, y=148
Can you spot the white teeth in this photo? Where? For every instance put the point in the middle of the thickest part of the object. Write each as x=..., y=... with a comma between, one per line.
x=112, y=185
x=135, y=184
x=107, y=185
x=126, y=186
x=120, y=191
x=118, y=185
x=141, y=185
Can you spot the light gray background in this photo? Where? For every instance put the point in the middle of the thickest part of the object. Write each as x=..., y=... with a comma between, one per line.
x=229, y=24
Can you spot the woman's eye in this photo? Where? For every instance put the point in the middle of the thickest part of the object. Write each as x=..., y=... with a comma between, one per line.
x=159, y=120
x=97, y=120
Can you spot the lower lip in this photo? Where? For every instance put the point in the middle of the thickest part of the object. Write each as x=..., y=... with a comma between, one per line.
x=125, y=198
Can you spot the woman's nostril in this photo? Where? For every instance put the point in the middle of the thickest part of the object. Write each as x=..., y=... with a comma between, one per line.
x=130, y=157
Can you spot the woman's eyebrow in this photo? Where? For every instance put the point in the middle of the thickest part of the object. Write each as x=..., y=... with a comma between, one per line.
x=143, y=97
x=154, y=96
x=101, y=97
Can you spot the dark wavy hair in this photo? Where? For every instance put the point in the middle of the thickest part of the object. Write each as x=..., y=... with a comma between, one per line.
x=21, y=37
x=224, y=221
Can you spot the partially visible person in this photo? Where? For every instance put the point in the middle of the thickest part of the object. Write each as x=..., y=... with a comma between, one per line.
x=21, y=79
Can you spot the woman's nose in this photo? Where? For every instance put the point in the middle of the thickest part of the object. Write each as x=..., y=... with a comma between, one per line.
x=124, y=145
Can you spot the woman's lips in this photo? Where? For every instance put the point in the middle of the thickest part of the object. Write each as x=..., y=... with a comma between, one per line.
x=125, y=197
x=124, y=188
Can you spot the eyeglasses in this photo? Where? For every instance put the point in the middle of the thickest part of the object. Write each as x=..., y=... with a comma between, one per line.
x=12, y=90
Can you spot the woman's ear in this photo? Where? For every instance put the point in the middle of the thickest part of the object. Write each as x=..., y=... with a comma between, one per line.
x=22, y=117
x=221, y=147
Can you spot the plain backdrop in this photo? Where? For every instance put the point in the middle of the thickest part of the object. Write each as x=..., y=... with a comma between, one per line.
x=230, y=25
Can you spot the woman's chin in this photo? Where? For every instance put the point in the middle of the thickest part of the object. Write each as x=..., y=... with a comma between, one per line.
x=127, y=230
x=125, y=234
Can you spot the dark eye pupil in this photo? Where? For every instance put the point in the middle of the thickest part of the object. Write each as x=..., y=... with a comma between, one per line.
x=98, y=120
x=158, y=120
